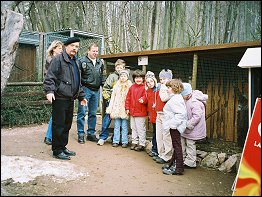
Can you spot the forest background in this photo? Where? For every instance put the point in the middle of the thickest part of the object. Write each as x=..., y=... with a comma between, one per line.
x=147, y=25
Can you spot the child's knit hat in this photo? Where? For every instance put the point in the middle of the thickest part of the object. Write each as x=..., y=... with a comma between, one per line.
x=151, y=75
x=124, y=71
x=187, y=89
x=166, y=73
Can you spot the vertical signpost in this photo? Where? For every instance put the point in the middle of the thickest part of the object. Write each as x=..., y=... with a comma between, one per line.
x=143, y=61
x=248, y=180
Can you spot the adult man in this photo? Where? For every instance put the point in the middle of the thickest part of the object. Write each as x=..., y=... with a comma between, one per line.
x=62, y=87
x=92, y=78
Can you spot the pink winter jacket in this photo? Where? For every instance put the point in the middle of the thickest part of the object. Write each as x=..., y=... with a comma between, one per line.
x=196, y=123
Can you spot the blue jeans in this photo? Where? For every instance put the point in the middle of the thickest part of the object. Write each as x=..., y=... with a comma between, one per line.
x=124, y=124
x=49, y=129
x=92, y=97
x=105, y=124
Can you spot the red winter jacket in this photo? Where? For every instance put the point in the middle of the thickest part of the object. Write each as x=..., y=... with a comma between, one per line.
x=150, y=100
x=132, y=104
x=159, y=104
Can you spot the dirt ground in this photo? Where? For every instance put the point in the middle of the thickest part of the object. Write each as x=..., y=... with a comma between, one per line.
x=95, y=170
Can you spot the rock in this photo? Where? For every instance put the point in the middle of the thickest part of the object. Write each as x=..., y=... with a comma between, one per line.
x=210, y=161
x=221, y=157
x=11, y=27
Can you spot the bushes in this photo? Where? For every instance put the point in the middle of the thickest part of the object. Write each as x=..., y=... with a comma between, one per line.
x=24, y=105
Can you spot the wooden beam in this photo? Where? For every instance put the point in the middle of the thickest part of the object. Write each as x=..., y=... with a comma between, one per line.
x=194, y=72
x=184, y=50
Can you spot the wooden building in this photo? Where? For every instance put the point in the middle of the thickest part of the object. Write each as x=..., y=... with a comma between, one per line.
x=213, y=70
x=32, y=52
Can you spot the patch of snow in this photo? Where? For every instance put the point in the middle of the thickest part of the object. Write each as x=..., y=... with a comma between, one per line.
x=23, y=169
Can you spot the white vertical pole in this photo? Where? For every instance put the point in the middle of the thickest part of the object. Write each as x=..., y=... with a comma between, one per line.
x=249, y=95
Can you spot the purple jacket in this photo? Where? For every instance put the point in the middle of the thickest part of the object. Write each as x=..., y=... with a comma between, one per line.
x=196, y=123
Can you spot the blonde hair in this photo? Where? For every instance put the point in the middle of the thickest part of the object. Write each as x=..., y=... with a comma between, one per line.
x=53, y=45
x=120, y=62
x=92, y=45
x=176, y=85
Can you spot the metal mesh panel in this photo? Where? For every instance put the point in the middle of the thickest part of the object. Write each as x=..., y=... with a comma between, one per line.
x=32, y=52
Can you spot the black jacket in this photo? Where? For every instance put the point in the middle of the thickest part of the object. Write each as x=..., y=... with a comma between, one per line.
x=60, y=79
x=92, y=76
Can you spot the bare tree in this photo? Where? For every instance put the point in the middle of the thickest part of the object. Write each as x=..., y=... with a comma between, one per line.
x=132, y=25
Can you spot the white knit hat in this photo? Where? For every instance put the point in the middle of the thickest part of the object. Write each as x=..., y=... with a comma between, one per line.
x=124, y=71
x=167, y=74
x=187, y=89
x=151, y=75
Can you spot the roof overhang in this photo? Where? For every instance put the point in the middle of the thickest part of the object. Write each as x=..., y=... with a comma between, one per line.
x=166, y=57
x=251, y=58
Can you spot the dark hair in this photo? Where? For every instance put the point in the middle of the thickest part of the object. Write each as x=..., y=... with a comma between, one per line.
x=138, y=73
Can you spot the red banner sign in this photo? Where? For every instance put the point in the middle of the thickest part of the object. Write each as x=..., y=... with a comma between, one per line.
x=248, y=180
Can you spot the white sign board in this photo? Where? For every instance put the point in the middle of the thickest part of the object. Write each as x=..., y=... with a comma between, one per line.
x=142, y=60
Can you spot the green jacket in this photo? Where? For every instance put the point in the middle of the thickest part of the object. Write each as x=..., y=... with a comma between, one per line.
x=109, y=84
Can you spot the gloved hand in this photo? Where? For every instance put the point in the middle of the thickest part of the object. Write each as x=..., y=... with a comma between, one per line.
x=189, y=126
x=50, y=97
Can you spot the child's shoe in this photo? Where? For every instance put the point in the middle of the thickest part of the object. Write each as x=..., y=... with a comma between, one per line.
x=155, y=157
x=171, y=171
x=168, y=166
x=101, y=142
x=124, y=145
x=139, y=148
x=133, y=146
x=152, y=154
x=160, y=160
x=115, y=145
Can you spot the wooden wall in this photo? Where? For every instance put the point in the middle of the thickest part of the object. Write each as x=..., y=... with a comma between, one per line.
x=227, y=87
x=24, y=69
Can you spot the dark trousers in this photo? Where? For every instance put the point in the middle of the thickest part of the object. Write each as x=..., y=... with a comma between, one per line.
x=154, y=144
x=177, y=153
x=62, y=114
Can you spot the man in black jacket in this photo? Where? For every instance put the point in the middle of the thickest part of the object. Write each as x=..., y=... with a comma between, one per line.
x=92, y=77
x=62, y=86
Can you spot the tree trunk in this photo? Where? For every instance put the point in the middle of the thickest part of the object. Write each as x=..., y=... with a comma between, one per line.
x=156, y=22
x=42, y=16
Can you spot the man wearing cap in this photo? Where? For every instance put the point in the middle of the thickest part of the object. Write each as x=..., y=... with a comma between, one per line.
x=92, y=78
x=62, y=87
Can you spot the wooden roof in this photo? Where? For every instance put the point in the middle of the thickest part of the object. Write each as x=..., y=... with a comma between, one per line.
x=167, y=56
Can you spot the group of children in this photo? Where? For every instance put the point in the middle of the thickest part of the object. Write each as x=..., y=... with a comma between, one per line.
x=176, y=112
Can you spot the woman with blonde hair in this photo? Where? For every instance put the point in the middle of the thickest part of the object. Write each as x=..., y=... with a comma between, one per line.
x=55, y=48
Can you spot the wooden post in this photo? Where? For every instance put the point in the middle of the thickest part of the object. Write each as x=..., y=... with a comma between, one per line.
x=42, y=56
x=194, y=72
x=144, y=68
x=143, y=61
